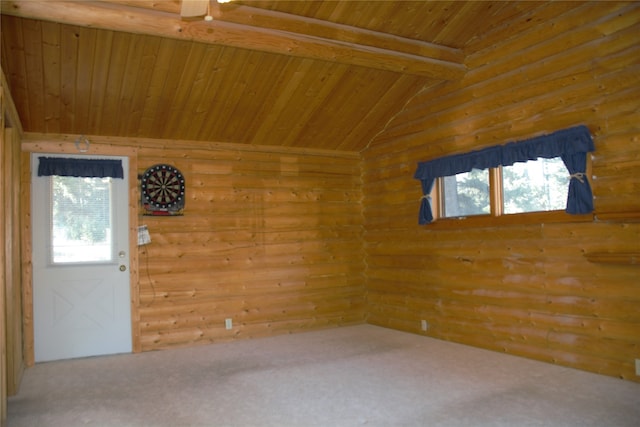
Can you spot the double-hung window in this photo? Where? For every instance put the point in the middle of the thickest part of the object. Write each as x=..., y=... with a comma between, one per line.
x=542, y=174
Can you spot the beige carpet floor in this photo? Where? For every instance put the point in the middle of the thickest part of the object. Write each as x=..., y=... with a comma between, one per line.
x=351, y=376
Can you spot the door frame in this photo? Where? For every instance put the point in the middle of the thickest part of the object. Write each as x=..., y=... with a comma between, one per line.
x=66, y=145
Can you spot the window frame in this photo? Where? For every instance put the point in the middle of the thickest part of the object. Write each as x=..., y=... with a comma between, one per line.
x=497, y=217
x=571, y=144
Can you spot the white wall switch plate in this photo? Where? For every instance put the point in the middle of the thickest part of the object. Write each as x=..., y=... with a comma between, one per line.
x=228, y=323
x=424, y=325
x=638, y=367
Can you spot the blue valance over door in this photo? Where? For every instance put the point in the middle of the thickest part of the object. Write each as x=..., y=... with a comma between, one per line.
x=86, y=168
x=569, y=144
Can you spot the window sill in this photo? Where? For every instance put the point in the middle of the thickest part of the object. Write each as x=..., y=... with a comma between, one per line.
x=486, y=221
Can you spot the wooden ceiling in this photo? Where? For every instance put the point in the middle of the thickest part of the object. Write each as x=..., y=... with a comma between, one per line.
x=310, y=74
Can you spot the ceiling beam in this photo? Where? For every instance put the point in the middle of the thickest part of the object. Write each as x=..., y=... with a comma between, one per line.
x=294, y=36
x=263, y=18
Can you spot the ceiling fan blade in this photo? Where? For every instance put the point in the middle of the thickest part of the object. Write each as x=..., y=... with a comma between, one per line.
x=193, y=8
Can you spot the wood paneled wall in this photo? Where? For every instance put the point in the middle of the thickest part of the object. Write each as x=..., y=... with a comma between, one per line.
x=13, y=257
x=11, y=356
x=529, y=289
x=3, y=306
x=271, y=238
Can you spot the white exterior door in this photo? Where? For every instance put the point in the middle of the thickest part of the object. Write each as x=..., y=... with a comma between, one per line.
x=81, y=293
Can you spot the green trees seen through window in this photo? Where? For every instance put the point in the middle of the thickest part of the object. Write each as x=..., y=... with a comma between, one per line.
x=80, y=219
x=533, y=186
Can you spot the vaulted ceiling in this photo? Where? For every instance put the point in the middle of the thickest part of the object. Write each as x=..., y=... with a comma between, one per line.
x=312, y=74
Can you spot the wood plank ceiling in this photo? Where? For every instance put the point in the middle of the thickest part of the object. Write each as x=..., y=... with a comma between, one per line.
x=310, y=74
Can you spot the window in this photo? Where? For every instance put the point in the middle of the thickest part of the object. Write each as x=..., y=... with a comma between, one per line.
x=533, y=186
x=545, y=173
x=81, y=220
x=466, y=194
x=80, y=208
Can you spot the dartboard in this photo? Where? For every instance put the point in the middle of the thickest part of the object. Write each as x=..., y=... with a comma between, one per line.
x=163, y=190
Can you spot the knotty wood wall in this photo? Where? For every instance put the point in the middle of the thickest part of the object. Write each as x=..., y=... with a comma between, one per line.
x=527, y=289
x=271, y=238
x=3, y=308
x=11, y=356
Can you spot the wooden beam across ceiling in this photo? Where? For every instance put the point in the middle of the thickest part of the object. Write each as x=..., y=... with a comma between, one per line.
x=260, y=30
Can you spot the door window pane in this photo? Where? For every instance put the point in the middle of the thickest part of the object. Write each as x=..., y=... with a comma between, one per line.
x=467, y=194
x=536, y=185
x=81, y=220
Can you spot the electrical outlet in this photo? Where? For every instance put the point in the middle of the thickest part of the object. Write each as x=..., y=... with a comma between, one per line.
x=638, y=367
x=228, y=323
x=424, y=325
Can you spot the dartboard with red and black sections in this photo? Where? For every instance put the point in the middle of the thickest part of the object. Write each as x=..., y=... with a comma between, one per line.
x=163, y=190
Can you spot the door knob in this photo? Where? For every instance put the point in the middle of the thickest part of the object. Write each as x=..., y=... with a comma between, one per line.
x=123, y=267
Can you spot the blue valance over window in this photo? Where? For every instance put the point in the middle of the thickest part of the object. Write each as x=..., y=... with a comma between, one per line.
x=86, y=168
x=569, y=144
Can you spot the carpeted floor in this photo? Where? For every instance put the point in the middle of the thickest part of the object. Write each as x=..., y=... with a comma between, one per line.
x=351, y=376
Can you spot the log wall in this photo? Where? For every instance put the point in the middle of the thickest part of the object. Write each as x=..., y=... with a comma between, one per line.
x=564, y=292
x=271, y=238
